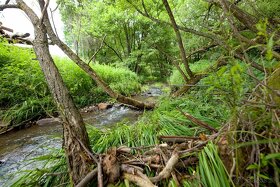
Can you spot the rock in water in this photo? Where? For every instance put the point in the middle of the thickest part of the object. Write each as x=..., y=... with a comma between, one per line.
x=104, y=106
x=48, y=121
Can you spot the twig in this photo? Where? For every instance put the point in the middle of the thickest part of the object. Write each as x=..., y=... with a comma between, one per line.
x=153, y=158
x=87, y=179
x=97, y=51
x=6, y=28
x=176, y=139
x=197, y=121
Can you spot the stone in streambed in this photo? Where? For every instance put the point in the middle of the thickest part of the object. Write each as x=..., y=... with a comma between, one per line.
x=104, y=106
x=48, y=121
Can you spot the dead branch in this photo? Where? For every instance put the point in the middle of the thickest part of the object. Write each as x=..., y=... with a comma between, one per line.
x=99, y=173
x=187, y=162
x=149, y=159
x=198, y=122
x=172, y=172
x=166, y=172
x=88, y=152
x=195, y=148
x=87, y=179
x=131, y=168
x=176, y=139
x=138, y=180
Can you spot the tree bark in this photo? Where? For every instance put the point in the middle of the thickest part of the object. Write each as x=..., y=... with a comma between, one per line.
x=74, y=130
x=179, y=38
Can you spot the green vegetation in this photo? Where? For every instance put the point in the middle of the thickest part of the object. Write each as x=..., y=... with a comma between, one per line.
x=165, y=120
x=221, y=60
x=24, y=92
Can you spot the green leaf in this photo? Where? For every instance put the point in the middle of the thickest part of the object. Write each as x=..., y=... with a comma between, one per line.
x=253, y=166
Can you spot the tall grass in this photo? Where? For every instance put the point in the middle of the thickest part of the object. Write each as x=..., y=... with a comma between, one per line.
x=212, y=171
x=24, y=92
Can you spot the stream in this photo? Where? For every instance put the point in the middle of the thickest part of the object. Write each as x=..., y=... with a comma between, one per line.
x=18, y=146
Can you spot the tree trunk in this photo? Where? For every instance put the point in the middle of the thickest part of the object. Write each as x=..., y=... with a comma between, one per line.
x=127, y=37
x=74, y=131
x=179, y=38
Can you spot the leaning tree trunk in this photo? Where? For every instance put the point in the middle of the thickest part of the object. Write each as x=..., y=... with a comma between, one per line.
x=74, y=131
x=84, y=66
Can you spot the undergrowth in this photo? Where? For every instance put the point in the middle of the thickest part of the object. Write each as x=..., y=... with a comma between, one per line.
x=166, y=119
x=24, y=92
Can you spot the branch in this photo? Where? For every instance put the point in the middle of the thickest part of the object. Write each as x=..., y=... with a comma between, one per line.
x=173, y=61
x=177, y=139
x=5, y=6
x=28, y=11
x=5, y=28
x=166, y=172
x=110, y=47
x=97, y=51
x=185, y=29
x=198, y=122
x=44, y=11
x=87, y=179
x=203, y=49
x=179, y=38
x=138, y=180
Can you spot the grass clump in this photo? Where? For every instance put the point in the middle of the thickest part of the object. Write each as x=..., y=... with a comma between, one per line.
x=211, y=169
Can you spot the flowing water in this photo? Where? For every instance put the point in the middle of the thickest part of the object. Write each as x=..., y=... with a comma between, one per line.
x=18, y=146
